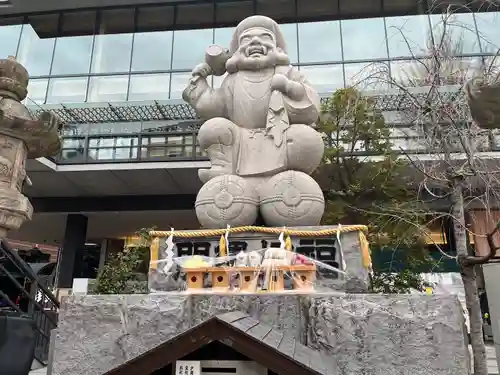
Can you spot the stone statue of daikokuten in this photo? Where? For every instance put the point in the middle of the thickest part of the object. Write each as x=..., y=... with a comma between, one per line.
x=258, y=132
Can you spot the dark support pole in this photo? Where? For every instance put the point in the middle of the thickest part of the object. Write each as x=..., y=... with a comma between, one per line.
x=71, y=255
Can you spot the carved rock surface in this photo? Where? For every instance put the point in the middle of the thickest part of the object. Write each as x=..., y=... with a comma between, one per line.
x=376, y=334
x=363, y=334
x=98, y=333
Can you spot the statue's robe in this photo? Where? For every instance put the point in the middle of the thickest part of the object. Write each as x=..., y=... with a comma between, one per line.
x=263, y=115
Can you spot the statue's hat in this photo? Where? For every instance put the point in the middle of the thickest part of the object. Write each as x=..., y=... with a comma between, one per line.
x=13, y=79
x=258, y=21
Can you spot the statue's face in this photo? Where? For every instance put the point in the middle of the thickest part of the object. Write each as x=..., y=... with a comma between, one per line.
x=257, y=43
x=257, y=50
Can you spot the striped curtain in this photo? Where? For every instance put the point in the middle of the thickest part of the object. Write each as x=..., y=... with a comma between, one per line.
x=483, y=222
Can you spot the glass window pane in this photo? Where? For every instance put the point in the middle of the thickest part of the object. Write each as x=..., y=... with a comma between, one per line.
x=223, y=36
x=423, y=72
x=73, y=142
x=289, y=31
x=35, y=53
x=152, y=51
x=72, y=130
x=178, y=84
x=9, y=39
x=324, y=78
x=72, y=55
x=455, y=33
x=488, y=27
x=408, y=36
x=114, y=128
x=37, y=90
x=108, y=89
x=366, y=76
x=320, y=41
x=408, y=73
x=102, y=153
x=112, y=53
x=126, y=153
x=102, y=142
x=67, y=90
x=364, y=39
x=180, y=140
x=189, y=47
x=149, y=87
x=75, y=155
x=126, y=141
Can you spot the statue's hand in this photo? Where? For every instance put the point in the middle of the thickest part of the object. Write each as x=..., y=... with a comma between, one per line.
x=280, y=82
x=202, y=70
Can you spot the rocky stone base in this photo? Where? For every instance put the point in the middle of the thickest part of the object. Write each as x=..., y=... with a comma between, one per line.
x=365, y=334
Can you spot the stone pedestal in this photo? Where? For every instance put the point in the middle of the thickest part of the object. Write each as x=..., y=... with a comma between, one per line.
x=345, y=255
x=363, y=334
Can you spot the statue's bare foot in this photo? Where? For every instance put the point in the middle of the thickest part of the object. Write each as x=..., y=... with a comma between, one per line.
x=206, y=175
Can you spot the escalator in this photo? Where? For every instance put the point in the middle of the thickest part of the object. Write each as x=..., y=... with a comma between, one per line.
x=25, y=298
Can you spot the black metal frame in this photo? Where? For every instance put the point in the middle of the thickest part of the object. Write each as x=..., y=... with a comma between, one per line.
x=42, y=304
x=414, y=7
x=190, y=151
x=421, y=8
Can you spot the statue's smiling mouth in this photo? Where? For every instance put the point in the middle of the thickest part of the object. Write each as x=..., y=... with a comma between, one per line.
x=256, y=51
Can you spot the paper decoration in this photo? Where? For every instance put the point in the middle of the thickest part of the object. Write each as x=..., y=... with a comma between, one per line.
x=187, y=368
x=169, y=252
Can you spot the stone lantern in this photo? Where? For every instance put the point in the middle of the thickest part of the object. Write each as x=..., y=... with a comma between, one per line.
x=22, y=136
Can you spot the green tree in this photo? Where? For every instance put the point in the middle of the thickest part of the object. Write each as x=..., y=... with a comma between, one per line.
x=366, y=183
x=124, y=271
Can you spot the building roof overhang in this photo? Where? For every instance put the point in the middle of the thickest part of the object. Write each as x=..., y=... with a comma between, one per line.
x=333, y=9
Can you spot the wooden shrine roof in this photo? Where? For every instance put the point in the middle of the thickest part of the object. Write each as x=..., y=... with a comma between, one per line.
x=268, y=346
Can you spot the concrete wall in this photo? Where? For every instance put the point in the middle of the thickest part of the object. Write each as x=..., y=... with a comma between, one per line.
x=365, y=334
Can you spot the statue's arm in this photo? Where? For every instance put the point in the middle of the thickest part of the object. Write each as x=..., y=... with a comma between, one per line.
x=206, y=101
x=304, y=103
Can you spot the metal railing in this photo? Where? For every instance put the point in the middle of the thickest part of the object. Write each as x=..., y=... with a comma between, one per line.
x=181, y=146
x=166, y=145
x=28, y=294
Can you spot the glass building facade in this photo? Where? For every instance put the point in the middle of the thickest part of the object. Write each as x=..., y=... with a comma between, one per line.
x=153, y=63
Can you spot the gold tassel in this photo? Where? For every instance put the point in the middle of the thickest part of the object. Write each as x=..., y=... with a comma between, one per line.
x=365, y=250
x=155, y=251
x=288, y=243
x=222, y=246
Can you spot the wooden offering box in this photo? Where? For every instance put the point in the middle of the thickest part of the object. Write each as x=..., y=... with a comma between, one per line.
x=248, y=277
x=195, y=277
x=220, y=277
x=303, y=277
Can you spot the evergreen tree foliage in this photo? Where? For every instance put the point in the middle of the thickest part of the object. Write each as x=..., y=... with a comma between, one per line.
x=365, y=182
